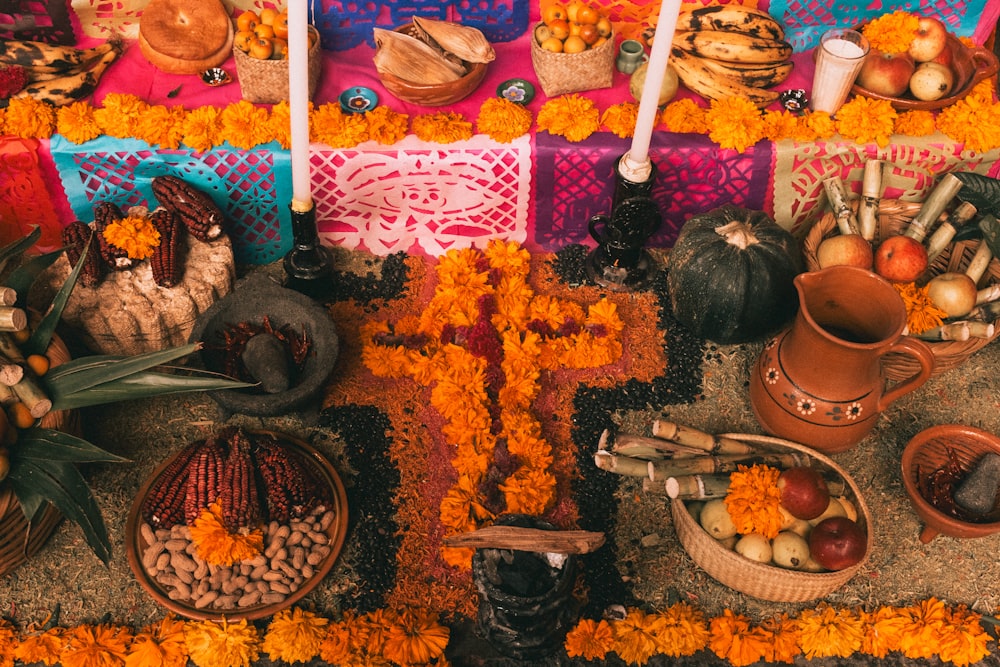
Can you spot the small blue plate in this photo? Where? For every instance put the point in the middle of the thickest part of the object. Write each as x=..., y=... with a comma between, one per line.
x=518, y=91
x=358, y=100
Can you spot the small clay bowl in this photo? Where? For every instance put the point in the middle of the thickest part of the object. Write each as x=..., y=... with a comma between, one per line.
x=934, y=448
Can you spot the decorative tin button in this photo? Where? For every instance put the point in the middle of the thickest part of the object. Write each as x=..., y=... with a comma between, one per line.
x=518, y=91
x=216, y=77
x=358, y=100
x=794, y=100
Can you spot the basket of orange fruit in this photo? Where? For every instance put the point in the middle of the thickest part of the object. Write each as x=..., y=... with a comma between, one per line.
x=573, y=48
x=260, y=48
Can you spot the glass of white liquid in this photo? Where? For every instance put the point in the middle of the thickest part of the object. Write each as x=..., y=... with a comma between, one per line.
x=839, y=57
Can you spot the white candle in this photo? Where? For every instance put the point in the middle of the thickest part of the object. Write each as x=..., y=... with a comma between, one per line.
x=298, y=101
x=636, y=166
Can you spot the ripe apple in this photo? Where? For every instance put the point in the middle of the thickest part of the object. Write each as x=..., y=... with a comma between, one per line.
x=931, y=81
x=845, y=250
x=929, y=40
x=886, y=73
x=803, y=492
x=947, y=56
x=837, y=543
x=952, y=292
x=900, y=259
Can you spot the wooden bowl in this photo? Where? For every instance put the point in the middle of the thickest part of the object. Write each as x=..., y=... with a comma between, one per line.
x=135, y=544
x=930, y=450
x=434, y=95
x=971, y=65
x=760, y=580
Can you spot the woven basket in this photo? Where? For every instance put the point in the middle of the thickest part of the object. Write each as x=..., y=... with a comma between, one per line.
x=769, y=582
x=560, y=73
x=266, y=81
x=893, y=216
x=20, y=540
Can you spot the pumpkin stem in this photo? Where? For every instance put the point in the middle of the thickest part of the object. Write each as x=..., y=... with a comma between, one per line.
x=737, y=233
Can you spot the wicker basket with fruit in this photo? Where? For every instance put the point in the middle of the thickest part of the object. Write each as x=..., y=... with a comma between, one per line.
x=572, y=49
x=260, y=47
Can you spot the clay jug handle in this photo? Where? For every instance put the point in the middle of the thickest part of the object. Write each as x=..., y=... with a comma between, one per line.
x=920, y=351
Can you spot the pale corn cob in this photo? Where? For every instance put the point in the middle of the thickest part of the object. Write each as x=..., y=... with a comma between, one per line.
x=466, y=42
x=410, y=59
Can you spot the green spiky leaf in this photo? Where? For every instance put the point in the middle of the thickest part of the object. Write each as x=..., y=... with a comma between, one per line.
x=144, y=384
x=79, y=374
x=42, y=334
x=46, y=444
x=23, y=277
x=18, y=247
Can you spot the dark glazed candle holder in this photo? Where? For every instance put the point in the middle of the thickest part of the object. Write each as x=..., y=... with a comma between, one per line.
x=308, y=265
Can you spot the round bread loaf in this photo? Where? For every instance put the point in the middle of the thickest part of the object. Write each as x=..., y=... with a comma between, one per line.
x=185, y=36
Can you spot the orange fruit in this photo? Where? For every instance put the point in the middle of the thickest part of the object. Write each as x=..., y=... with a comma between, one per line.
x=604, y=27
x=587, y=14
x=264, y=31
x=554, y=12
x=268, y=14
x=560, y=29
x=22, y=335
x=573, y=10
x=588, y=33
x=38, y=363
x=248, y=20
x=261, y=48
x=280, y=49
x=574, y=44
x=574, y=27
x=553, y=44
x=243, y=39
x=20, y=415
x=542, y=33
x=599, y=43
x=280, y=26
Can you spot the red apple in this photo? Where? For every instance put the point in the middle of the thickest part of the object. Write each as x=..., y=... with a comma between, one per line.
x=929, y=40
x=886, y=73
x=947, y=56
x=844, y=250
x=837, y=543
x=931, y=81
x=900, y=259
x=803, y=492
x=952, y=292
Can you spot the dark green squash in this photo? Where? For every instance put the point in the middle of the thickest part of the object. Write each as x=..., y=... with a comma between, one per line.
x=730, y=275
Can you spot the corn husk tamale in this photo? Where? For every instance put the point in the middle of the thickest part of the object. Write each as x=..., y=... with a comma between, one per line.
x=464, y=41
x=410, y=59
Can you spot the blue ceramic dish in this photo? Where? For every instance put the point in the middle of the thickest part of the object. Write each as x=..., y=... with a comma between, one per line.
x=358, y=100
x=518, y=91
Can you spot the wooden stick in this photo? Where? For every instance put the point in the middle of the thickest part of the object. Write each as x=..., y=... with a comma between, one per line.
x=942, y=236
x=871, y=193
x=661, y=470
x=685, y=435
x=652, y=448
x=33, y=396
x=528, y=539
x=933, y=206
x=621, y=465
x=836, y=192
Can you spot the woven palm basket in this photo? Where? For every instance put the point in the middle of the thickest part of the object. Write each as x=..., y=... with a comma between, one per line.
x=266, y=81
x=20, y=540
x=893, y=217
x=759, y=580
x=561, y=73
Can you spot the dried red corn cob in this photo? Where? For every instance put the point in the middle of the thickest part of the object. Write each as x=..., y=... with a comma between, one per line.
x=167, y=261
x=203, y=219
x=114, y=258
x=205, y=474
x=241, y=506
x=163, y=506
x=291, y=487
x=75, y=236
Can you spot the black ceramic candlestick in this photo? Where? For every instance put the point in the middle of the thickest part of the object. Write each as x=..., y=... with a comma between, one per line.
x=308, y=264
x=620, y=261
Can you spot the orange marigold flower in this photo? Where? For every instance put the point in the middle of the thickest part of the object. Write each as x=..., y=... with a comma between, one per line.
x=864, y=120
x=136, y=235
x=590, y=640
x=159, y=644
x=783, y=633
x=29, y=118
x=754, y=500
x=972, y=121
x=244, y=125
x=780, y=125
x=891, y=33
x=161, y=126
x=415, y=637
x=529, y=492
x=732, y=638
x=821, y=124
x=202, y=128
x=216, y=545
x=336, y=648
x=503, y=120
x=685, y=116
x=921, y=313
x=826, y=632
x=120, y=113
x=915, y=123
x=635, y=636
x=95, y=646
x=683, y=630
x=443, y=127
x=225, y=644
x=964, y=640
x=280, y=123
x=294, y=635
x=572, y=116
x=734, y=122
x=922, y=634
x=620, y=118
x=76, y=122
x=385, y=125
x=332, y=126
x=883, y=630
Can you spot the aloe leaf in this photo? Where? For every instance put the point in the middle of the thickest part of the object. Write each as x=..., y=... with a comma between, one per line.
x=144, y=384
x=79, y=374
x=42, y=335
x=19, y=246
x=23, y=277
x=61, y=483
x=47, y=444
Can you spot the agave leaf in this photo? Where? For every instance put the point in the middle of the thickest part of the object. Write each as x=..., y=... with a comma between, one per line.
x=79, y=374
x=42, y=335
x=144, y=384
x=983, y=192
x=23, y=277
x=19, y=246
x=61, y=483
x=47, y=444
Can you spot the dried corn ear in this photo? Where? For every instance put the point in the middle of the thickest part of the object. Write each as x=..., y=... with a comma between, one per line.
x=410, y=59
x=464, y=41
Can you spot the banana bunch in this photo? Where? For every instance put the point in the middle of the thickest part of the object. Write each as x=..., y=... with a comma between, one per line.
x=59, y=74
x=723, y=51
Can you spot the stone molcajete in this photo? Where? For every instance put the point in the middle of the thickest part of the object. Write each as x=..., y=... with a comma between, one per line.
x=819, y=382
x=277, y=337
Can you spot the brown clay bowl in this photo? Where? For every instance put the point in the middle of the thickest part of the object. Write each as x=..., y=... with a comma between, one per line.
x=135, y=544
x=434, y=95
x=930, y=450
x=971, y=65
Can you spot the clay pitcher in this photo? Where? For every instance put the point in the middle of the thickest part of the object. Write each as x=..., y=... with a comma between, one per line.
x=819, y=382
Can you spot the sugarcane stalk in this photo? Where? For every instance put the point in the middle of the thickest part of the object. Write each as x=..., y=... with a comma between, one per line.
x=621, y=465
x=9, y=347
x=871, y=194
x=988, y=294
x=8, y=296
x=528, y=539
x=836, y=192
x=13, y=318
x=661, y=470
x=987, y=312
x=706, y=442
x=952, y=331
x=980, y=262
x=942, y=236
x=7, y=395
x=30, y=393
x=638, y=446
x=11, y=372
x=933, y=206
x=695, y=487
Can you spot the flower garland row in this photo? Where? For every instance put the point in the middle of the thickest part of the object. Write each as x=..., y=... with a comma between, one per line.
x=732, y=123
x=481, y=344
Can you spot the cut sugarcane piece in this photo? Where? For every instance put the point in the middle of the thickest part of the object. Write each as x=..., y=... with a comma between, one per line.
x=7, y=395
x=13, y=318
x=942, y=236
x=960, y=331
x=979, y=263
x=685, y=435
x=871, y=194
x=836, y=192
x=9, y=347
x=638, y=446
x=692, y=487
x=8, y=296
x=661, y=470
x=30, y=393
x=932, y=208
x=988, y=294
x=987, y=312
x=621, y=465
x=11, y=372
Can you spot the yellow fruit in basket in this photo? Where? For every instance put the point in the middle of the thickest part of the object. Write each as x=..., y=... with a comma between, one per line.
x=248, y=20
x=574, y=44
x=553, y=44
x=604, y=27
x=573, y=10
x=542, y=33
x=264, y=31
x=599, y=43
x=261, y=48
x=268, y=14
x=243, y=39
x=587, y=15
x=554, y=12
x=559, y=29
x=280, y=26
x=279, y=49
x=589, y=34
